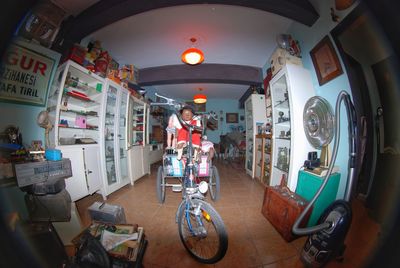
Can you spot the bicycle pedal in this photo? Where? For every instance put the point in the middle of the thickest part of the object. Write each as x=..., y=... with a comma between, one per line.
x=177, y=188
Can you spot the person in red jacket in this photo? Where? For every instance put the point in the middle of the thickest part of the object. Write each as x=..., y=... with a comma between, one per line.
x=187, y=114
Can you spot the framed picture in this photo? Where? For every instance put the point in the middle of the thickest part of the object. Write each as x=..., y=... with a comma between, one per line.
x=326, y=61
x=232, y=118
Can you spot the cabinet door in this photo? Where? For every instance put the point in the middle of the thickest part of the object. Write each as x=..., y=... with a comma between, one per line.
x=122, y=153
x=93, y=174
x=76, y=185
x=135, y=162
x=110, y=120
x=146, y=159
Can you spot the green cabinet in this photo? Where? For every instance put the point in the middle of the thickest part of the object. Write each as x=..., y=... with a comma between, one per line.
x=308, y=184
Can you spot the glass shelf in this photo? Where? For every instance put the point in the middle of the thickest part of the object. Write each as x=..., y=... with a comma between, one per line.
x=74, y=112
x=67, y=127
x=283, y=138
x=282, y=104
x=285, y=123
x=283, y=170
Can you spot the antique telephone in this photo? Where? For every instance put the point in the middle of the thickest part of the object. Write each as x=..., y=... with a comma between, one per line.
x=326, y=240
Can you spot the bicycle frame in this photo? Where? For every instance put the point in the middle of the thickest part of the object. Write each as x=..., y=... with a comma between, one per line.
x=189, y=188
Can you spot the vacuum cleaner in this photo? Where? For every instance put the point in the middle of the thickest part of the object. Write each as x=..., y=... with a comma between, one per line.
x=326, y=239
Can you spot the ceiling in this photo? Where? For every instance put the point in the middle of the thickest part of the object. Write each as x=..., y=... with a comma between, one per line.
x=227, y=34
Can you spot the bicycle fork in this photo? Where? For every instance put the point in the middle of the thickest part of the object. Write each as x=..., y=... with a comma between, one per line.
x=196, y=227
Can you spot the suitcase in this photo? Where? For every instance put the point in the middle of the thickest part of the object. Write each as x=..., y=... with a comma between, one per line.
x=282, y=207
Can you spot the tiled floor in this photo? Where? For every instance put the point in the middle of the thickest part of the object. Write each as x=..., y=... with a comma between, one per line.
x=253, y=242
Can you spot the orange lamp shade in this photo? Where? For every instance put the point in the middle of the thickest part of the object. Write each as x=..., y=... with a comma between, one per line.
x=193, y=56
x=200, y=98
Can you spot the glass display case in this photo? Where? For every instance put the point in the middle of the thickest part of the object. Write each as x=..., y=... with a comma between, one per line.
x=75, y=109
x=114, y=148
x=255, y=114
x=138, y=138
x=290, y=88
x=110, y=118
x=137, y=117
x=74, y=105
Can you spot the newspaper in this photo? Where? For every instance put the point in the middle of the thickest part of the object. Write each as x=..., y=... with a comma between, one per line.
x=111, y=240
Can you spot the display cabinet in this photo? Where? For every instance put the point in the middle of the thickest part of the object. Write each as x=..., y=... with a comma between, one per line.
x=138, y=139
x=113, y=142
x=255, y=114
x=290, y=89
x=263, y=158
x=74, y=105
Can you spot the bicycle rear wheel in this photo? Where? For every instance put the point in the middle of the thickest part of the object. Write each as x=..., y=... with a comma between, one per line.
x=160, y=185
x=213, y=183
x=204, y=235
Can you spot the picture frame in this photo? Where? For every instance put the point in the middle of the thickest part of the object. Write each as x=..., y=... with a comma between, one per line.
x=325, y=61
x=232, y=118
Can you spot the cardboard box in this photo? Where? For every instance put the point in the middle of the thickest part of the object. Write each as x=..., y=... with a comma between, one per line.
x=280, y=58
x=107, y=213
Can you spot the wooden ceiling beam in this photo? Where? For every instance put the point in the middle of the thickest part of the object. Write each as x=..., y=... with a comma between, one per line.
x=203, y=73
x=106, y=12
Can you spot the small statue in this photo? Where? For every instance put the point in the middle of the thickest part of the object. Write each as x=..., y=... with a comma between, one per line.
x=13, y=135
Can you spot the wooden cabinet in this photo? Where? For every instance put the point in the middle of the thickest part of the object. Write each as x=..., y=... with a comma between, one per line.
x=255, y=114
x=86, y=174
x=290, y=89
x=263, y=158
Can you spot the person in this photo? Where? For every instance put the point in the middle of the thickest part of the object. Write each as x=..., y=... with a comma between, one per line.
x=187, y=115
x=207, y=147
x=173, y=125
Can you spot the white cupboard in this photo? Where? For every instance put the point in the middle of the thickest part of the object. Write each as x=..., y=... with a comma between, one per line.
x=74, y=106
x=256, y=117
x=290, y=88
x=138, y=139
x=113, y=143
x=85, y=170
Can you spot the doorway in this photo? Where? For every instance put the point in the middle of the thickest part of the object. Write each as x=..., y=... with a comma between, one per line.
x=372, y=69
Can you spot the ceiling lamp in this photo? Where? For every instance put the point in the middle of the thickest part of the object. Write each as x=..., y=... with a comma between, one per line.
x=193, y=56
x=200, y=98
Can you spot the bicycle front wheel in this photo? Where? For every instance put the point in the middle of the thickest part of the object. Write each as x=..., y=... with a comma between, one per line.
x=160, y=185
x=213, y=183
x=202, y=231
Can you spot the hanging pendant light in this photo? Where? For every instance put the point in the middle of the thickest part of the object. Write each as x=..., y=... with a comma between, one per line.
x=200, y=98
x=193, y=56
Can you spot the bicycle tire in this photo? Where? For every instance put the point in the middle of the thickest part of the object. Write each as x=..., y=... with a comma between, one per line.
x=211, y=248
x=160, y=184
x=214, y=184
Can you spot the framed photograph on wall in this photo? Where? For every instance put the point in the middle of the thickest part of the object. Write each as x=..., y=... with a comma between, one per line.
x=326, y=61
x=232, y=118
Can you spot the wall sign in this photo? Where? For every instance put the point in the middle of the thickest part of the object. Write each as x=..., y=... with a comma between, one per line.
x=25, y=76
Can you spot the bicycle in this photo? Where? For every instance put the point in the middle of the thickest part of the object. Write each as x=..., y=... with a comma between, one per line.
x=201, y=229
